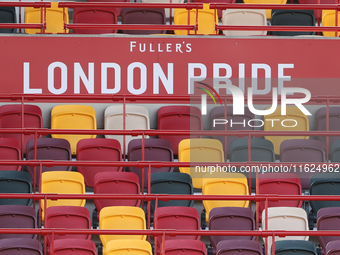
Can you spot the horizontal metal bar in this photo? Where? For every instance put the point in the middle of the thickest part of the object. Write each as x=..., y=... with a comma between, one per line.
x=278, y=28
x=131, y=27
x=275, y=6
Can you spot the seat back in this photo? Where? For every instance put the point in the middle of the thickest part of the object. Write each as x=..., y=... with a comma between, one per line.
x=294, y=120
x=118, y=9
x=206, y=20
x=172, y=183
x=99, y=149
x=73, y=117
x=302, y=150
x=17, y=216
x=333, y=247
x=10, y=150
x=185, y=246
x=317, y=13
x=334, y=122
x=48, y=149
x=288, y=247
x=68, y=217
x=138, y=16
x=11, y=117
x=168, y=12
x=242, y=247
x=7, y=15
x=136, y=118
x=224, y=184
x=329, y=20
x=116, y=183
x=74, y=246
x=280, y=184
x=55, y=18
x=15, y=182
x=268, y=11
x=136, y=247
x=244, y=17
x=199, y=150
x=20, y=246
x=292, y=18
x=335, y=151
x=324, y=184
x=230, y=218
x=285, y=218
x=94, y=15
x=121, y=217
x=219, y=12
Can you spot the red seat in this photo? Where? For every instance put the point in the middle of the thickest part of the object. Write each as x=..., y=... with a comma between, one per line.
x=74, y=247
x=185, y=247
x=179, y=117
x=99, y=149
x=118, y=10
x=20, y=246
x=10, y=150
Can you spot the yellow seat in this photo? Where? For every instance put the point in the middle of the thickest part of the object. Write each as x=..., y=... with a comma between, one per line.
x=62, y=182
x=292, y=113
x=224, y=184
x=206, y=20
x=199, y=150
x=328, y=20
x=128, y=246
x=73, y=117
x=54, y=19
x=121, y=217
x=268, y=11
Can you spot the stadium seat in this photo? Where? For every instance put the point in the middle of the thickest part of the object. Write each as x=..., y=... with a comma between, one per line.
x=328, y=20
x=10, y=150
x=139, y=16
x=115, y=183
x=118, y=9
x=199, y=150
x=334, y=122
x=185, y=247
x=128, y=246
x=68, y=217
x=268, y=11
x=244, y=17
x=327, y=219
x=230, y=218
x=333, y=247
x=292, y=18
x=136, y=118
x=94, y=15
x=285, y=218
x=62, y=182
x=121, y=217
x=15, y=182
x=300, y=123
x=20, y=246
x=219, y=11
x=218, y=113
x=176, y=217
x=73, y=247
x=318, y=13
x=335, y=151
x=224, y=184
x=173, y=183
x=154, y=150
x=11, y=117
x=7, y=15
x=246, y=247
x=289, y=247
x=99, y=149
x=17, y=216
x=168, y=11
x=55, y=18
x=207, y=19
x=48, y=149
x=179, y=117
x=73, y=117
x=302, y=150
x=281, y=184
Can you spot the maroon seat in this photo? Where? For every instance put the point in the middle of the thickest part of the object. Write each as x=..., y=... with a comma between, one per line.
x=179, y=117
x=230, y=218
x=184, y=247
x=11, y=117
x=48, y=149
x=20, y=246
x=140, y=16
x=154, y=150
x=241, y=247
x=328, y=218
x=302, y=150
x=17, y=216
x=74, y=247
x=94, y=15
x=176, y=217
x=99, y=149
x=333, y=248
x=10, y=150
x=68, y=217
